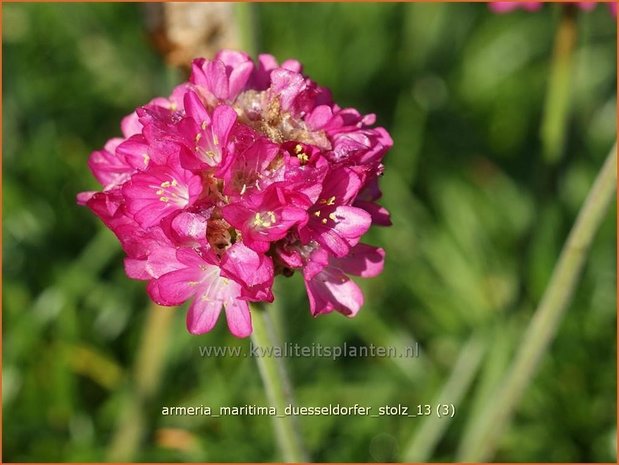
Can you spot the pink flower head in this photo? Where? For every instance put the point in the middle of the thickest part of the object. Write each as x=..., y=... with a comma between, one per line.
x=506, y=7
x=245, y=172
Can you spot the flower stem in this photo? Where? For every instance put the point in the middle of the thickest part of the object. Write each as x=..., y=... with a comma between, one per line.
x=277, y=385
x=147, y=377
x=264, y=335
x=556, y=106
x=246, y=19
x=422, y=444
x=542, y=328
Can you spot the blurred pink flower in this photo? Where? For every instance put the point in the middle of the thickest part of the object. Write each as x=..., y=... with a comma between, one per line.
x=506, y=7
x=245, y=172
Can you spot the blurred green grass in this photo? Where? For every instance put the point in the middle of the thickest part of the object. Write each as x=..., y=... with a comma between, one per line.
x=479, y=220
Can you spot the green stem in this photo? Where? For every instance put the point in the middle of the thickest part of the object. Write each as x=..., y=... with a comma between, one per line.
x=272, y=369
x=547, y=317
x=246, y=20
x=277, y=385
x=423, y=443
x=501, y=336
x=147, y=374
x=556, y=107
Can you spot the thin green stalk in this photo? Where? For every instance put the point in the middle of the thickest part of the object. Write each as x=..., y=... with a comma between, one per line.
x=547, y=317
x=556, y=106
x=501, y=336
x=277, y=386
x=427, y=436
x=246, y=19
x=272, y=369
x=148, y=369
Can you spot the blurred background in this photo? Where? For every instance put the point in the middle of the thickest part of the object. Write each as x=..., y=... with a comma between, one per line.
x=479, y=218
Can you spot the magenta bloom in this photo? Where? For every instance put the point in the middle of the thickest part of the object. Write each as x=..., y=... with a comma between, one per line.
x=506, y=7
x=247, y=171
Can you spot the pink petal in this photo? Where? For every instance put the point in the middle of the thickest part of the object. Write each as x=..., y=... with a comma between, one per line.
x=260, y=80
x=195, y=109
x=332, y=290
x=238, y=318
x=292, y=65
x=319, y=118
x=137, y=242
x=186, y=228
x=238, y=78
x=252, y=270
x=224, y=118
x=110, y=169
x=160, y=261
x=136, y=269
x=131, y=125
x=248, y=169
x=197, y=76
x=287, y=85
x=108, y=206
x=216, y=79
x=362, y=260
x=246, y=266
x=83, y=197
x=351, y=223
x=136, y=151
x=154, y=194
x=318, y=259
x=175, y=287
x=264, y=217
x=202, y=315
x=380, y=215
x=336, y=229
x=343, y=184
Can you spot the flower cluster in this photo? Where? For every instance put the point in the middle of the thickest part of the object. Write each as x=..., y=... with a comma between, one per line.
x=247, y=171
x=506, y=7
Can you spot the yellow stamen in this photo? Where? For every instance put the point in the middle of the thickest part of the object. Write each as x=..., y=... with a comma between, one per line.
x=331, y=200
x=265, y=219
